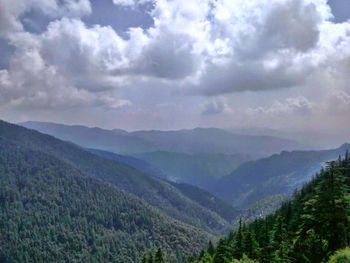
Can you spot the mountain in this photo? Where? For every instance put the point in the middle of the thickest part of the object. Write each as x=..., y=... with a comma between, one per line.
x=213, y=140
x=278, y=174
x=196, y=194
x=94, y=138
x=312, y=139
x=308, y=228
x=196, y=169
x=195, y=141
x=154, y=191
x=139, y=164
x=210, y=201
x=51, y=211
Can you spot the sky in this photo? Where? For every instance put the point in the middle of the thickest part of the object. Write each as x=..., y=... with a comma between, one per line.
x=157, y=64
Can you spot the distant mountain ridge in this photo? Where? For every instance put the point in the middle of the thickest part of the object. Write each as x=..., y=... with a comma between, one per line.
x=195, y=141
x=278, y=174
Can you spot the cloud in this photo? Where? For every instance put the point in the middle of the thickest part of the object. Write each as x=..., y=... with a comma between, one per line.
x=30, y=82
x=86, y=56
x=295, y=105
x=199, y=47
x=131, y=3
x=11, y=11
x=214, y=107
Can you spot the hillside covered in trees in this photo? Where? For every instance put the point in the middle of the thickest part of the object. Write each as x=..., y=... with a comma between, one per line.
x=154, y=191
x=308, y=228
x=62, y=203
x=52, y=212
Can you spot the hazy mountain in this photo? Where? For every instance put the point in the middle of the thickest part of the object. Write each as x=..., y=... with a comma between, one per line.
x=278, y=174
x=308, y=228
x=156, y=192
x=199, y=140
x=312, y=140
x=95, y=138
x=137, y=163
x=196, y=169
x=213, y=140
x=51, y=211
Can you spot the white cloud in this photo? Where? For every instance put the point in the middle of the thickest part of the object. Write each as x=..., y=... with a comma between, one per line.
x=295, y=105
x=11, y=11
x=131, y=3
x=201, y=47
x=30, y=82
x=214, y=107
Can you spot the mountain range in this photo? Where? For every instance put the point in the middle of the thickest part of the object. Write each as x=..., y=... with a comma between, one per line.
x=200, y=157
x=195, y=141
x=60, y=185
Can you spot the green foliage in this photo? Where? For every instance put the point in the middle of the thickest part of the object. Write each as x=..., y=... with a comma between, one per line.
x=340, y=256
x=151, y=257
x=244, y=259
x=53, y=210
x=309, y=228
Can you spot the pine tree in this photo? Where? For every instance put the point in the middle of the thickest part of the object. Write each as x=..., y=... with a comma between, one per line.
x=238, y=241
x=249, y=244
x=145, y=259
x=211, y=249
x=223, y=253
x=158, y=258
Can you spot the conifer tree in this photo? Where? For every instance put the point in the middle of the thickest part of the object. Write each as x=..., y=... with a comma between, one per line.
x=158, y=258
x=211, y=249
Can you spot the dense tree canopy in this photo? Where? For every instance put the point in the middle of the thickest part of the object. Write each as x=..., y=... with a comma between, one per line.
x=52, y=212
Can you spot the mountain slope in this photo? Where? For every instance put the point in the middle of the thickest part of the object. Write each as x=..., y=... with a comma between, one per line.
x=195, y=169
x=199, y=140
x=196, y=194
x=278, y=174
x=52, y=212
x=208, y=200
x=156, y=192
x=137, y=163
x=309, y=228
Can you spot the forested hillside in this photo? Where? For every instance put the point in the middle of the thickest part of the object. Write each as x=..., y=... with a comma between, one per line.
x=155, y=192
x=52, y=212
x=309, y=228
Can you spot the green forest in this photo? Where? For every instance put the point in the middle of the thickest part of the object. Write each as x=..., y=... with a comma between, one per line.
x=52, y=212
x=309, y=228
